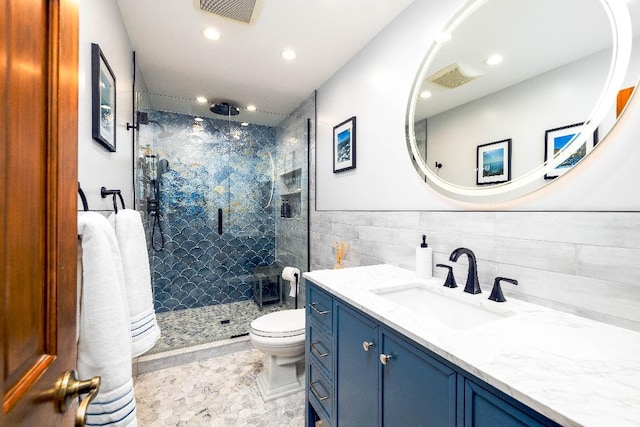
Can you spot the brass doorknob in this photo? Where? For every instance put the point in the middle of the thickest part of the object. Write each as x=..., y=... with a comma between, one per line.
x=68, y=387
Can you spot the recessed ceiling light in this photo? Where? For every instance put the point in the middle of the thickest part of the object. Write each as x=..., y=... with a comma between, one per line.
x=493, y=60
x=251, y=108
x=425, y=94
x=201, y=99
x=288, y=54
x=443, y=37
x=211, y=33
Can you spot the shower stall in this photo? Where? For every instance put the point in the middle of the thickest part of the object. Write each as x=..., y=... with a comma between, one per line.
x=225, y=207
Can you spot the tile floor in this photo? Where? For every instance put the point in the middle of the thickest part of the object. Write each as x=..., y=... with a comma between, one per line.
x=196, y=326
x=197, y=376
x=220, y=391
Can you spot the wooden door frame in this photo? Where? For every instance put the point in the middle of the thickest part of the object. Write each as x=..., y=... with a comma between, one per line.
x=3, y=173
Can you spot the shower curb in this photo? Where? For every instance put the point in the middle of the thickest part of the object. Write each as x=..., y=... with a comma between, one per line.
x=167, y=359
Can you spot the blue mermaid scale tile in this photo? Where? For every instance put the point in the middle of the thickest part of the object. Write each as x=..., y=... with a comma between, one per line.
x=222, y=167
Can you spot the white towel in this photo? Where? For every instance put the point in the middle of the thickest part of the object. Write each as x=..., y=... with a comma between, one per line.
x=104, y=340
x=137, y=278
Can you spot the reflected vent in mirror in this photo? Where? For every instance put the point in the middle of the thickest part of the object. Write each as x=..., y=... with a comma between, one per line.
x=451, y=77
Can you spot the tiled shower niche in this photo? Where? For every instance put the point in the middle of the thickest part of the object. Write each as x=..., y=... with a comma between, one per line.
x=213, y=166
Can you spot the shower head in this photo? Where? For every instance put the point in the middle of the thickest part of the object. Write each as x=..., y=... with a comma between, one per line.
x=224, y=109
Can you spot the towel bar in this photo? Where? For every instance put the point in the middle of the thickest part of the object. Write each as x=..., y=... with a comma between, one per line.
x=85, y=205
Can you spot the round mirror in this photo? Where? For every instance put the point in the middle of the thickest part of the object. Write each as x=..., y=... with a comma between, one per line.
x=514, y=94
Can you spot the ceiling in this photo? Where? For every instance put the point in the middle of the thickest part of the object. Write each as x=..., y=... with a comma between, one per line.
x=245, y=67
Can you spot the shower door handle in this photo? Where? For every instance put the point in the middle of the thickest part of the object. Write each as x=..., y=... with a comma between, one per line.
x=220, y=221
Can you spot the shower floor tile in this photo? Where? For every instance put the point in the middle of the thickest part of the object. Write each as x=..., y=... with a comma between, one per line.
x=196, y=326
x=219, y=391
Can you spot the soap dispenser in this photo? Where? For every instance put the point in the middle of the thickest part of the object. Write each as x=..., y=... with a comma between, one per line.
x=424, y=260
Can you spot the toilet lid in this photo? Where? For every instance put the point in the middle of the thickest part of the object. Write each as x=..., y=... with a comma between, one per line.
x=284, y=323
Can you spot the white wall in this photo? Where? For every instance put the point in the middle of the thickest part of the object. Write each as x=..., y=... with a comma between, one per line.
x=584, y=263
x=375, y=87
x=100, y=23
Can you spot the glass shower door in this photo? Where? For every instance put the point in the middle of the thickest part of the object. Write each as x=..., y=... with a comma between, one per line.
x=219, y=203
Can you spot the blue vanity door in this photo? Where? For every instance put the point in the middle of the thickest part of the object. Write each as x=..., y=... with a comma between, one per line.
x=417, y=390
x=357, y=369
x=485, y=409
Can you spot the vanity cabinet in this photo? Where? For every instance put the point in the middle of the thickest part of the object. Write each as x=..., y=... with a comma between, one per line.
x=357, y=365
x=380, y=377
x=416, y=389
x=486, y=409
x=363, y=373
x=319, y=356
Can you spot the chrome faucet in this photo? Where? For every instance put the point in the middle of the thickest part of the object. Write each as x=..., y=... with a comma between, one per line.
x=472, y=286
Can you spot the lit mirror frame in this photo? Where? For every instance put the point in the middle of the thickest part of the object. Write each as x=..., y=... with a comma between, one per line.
x=620, y=20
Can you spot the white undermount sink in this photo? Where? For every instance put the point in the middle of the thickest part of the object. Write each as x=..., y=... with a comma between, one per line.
x=449, y=307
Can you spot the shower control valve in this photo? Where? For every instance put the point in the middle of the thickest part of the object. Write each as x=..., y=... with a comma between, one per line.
x=152, y=206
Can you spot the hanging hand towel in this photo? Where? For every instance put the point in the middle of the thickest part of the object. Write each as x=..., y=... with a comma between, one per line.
x=104, y=341
x=137, y=278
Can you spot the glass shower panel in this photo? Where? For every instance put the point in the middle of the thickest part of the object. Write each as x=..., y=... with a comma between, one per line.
x=214, y=205
x=211, y=191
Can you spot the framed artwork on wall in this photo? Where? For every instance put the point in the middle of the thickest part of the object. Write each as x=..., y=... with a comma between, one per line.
x=103, y=100
x=556, y=139
x=493, y=162
x=344, y=146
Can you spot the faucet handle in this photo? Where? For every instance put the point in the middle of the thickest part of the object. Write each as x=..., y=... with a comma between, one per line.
x=450, y=281
x=496, y=292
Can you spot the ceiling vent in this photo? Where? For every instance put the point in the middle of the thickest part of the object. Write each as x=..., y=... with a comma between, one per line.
x=237, y=10
x=451, y=77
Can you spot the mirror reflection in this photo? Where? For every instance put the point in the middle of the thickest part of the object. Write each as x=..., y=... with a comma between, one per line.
x=513, y=87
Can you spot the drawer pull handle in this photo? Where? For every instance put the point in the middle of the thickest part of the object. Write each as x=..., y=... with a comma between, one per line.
x=384, y=358
x=316, y=393
x=313, y=306
x=367, y=345
x=314, y=348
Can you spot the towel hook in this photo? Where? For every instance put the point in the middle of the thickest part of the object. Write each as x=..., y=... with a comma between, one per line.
x=104, y=193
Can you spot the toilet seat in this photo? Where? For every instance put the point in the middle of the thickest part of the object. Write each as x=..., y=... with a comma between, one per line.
x=280, y=324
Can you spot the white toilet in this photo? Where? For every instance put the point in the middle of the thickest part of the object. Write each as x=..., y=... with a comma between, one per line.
x=280, y=336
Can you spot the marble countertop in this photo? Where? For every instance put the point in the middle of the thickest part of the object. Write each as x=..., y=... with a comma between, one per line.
x=575, y=371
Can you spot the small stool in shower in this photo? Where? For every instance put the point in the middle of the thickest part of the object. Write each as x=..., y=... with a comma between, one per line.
x=267, y=286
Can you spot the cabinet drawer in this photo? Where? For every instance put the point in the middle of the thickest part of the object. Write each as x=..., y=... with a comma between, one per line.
x=320, y=393
x=320, y=348
x=319, y=305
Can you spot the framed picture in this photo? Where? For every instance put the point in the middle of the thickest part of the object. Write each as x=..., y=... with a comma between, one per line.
x=556, y=139
x=494, y=162
x=103, y=97
x=344, y=146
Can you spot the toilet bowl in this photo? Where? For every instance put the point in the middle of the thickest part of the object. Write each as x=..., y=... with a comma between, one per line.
x=280, y=336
